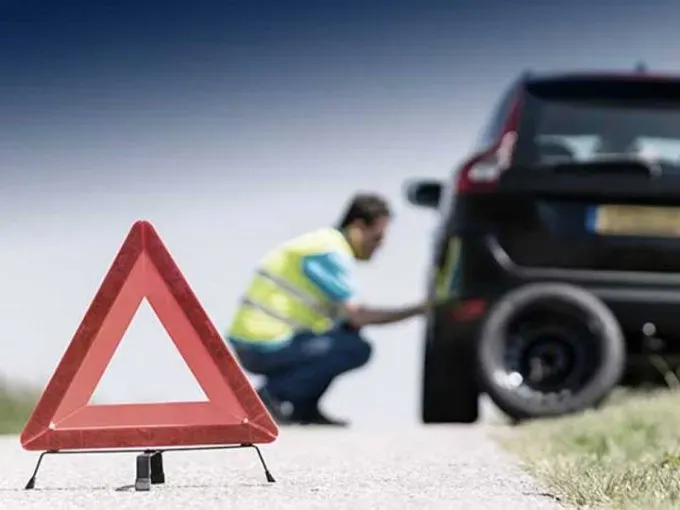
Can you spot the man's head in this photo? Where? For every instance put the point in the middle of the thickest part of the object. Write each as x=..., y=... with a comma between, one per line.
x=365, y=223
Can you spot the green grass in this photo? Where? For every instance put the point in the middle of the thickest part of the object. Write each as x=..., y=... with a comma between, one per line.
x=16, y=405
x=624, y=456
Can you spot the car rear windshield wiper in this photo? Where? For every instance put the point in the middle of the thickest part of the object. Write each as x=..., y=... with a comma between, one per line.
x=609, y=163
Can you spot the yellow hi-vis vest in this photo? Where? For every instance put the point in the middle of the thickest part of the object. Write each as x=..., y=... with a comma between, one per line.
x=281, y=300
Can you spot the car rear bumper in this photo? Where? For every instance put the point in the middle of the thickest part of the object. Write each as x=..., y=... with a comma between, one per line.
x=637, y=299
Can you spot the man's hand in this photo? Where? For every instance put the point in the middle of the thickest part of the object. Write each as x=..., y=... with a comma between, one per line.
x=431, y=303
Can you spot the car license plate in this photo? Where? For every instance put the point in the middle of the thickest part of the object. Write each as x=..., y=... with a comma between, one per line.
x=631, y=220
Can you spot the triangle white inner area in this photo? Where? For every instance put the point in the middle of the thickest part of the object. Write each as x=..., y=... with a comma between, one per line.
x=147, y=367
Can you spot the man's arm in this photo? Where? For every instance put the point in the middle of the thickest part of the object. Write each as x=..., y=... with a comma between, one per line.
x=333, y=275
x=360, y=315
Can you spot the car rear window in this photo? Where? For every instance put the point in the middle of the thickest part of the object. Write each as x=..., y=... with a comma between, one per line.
x=589, y=119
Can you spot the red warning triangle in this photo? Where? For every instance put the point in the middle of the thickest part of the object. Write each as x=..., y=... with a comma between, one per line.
x=63, y=418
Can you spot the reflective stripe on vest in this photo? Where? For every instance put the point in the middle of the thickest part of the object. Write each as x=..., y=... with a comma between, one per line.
x=328, y=312
x=319, y=307
x=268, y=311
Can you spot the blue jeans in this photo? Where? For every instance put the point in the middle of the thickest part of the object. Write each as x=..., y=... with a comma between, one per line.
x=302, y=371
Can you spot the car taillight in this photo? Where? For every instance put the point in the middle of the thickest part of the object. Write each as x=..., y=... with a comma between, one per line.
x=482, y=171
x=470, y=309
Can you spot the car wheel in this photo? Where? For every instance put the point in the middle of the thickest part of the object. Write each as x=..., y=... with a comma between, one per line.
x=450, y=390
x=549, y=349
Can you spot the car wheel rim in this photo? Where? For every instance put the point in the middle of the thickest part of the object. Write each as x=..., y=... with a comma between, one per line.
x=550, y=360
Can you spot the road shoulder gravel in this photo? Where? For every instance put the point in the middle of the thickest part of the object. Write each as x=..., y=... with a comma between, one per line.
x=443, y=467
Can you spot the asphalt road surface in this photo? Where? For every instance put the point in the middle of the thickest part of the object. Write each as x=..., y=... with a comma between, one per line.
x=443, y=467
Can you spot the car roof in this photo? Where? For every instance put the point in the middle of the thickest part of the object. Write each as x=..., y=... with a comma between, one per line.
x=530, y=78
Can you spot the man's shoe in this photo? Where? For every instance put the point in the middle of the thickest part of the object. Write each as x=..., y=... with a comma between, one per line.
x=275, y=408
x=316, y=417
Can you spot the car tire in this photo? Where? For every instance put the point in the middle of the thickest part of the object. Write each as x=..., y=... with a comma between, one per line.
x=450, y=390
x=520, y=404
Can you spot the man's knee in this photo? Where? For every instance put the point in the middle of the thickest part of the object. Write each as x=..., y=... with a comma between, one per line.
x=359, y=353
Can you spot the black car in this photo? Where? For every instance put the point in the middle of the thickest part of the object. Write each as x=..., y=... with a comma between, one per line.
x=557, y=249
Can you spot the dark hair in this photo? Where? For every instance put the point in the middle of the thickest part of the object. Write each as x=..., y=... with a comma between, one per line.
x=367, y=207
